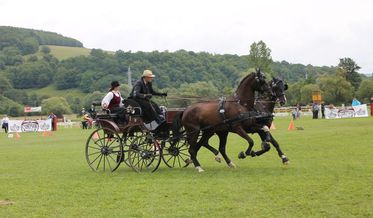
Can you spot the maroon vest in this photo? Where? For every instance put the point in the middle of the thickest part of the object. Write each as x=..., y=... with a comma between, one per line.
x=115, y=101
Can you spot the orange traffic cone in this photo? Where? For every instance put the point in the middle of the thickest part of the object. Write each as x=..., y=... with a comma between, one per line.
x=272, y=125
x=46, y=133
x=291, y=125
x=18, y=135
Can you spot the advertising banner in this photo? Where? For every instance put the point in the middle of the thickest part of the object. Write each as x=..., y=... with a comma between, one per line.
x=32, y=109
x=348, y=112
x=30, y=125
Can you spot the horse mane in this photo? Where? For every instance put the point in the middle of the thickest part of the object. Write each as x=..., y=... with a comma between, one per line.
x=245, y=79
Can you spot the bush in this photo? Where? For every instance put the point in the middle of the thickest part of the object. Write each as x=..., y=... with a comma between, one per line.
x=57, y=105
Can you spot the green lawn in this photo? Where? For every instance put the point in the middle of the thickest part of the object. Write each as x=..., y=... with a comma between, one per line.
x=64, y=52
x=330, y=175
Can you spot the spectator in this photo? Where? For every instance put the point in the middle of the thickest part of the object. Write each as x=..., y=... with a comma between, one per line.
x=298, y=110
x=294, y=113
x=323, y=110
x=315, y=110
x=85, y=119
x=355, y=102
x=5, y=123
x=53, y=120
x=92, y=112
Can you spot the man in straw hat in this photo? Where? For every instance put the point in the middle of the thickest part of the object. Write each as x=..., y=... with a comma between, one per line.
x=113, y=101
x=142, y=92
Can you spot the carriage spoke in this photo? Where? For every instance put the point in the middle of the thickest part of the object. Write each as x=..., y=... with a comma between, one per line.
x=95, y=159
x=178, y=160
x=111, y=169
x=99, y=162
x=94, y=148
x=98, y=152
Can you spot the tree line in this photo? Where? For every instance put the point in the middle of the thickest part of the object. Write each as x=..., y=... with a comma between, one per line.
x=27, y=41
x=180, y=73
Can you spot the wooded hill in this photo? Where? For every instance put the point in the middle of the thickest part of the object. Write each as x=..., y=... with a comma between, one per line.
x=26, y=62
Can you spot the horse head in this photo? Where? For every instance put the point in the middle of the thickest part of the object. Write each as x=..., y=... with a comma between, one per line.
x=261, y=84
x=278, y=88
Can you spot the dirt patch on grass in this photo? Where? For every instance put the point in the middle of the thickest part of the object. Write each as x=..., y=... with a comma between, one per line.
x=6, y=202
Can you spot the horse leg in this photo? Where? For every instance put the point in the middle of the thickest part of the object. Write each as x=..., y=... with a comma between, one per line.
x=241, y=132
x=284, y=159
x=248, y=151
x=265, y=146
x=222, y=144
x=193, y=149
x=210, y=148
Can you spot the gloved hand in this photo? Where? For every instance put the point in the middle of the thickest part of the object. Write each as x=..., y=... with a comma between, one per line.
x=148, y=96
x=164, y=94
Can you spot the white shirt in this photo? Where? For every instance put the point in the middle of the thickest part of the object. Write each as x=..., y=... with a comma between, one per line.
x=106, y=101
x=5, y=120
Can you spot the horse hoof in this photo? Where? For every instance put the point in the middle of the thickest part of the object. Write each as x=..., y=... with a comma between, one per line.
x=218, y=158
x=285, y=160
x=199, y=169
x=232, y=165
x=188, y=161
x=241, y=155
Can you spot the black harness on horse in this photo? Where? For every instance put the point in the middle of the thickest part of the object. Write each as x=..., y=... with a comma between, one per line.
x=257, y=116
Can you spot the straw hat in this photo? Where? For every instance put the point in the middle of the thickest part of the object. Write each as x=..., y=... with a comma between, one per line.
x=148, y=73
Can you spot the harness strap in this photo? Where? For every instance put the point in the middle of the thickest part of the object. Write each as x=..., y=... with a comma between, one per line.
x=221, y=109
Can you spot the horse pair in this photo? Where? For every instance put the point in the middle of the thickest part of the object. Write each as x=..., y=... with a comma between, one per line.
x=240, y=115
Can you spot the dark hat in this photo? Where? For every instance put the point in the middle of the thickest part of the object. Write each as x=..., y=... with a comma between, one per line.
x=114, y=84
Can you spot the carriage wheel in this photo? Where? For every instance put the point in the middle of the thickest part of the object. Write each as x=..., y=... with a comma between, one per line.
x=104, y=150
x=175, y=152
x=144, y=152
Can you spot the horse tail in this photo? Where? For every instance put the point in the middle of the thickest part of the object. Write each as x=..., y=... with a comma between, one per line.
x=176, y=125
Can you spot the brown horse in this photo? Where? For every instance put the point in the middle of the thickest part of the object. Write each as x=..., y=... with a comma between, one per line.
x=205, y=116
x=263, y=105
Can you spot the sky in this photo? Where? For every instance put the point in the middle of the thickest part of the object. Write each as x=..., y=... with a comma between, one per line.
x=317, y=32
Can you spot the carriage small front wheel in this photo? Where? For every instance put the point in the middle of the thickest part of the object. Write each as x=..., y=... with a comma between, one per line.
x=144, y=152
x=175, y=152
x=104, y=150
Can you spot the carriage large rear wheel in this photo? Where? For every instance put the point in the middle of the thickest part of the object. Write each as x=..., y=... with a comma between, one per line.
x=144, y=154
x=104, y=150
x=175, y=152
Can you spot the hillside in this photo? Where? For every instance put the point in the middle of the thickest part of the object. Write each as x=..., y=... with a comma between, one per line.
x=29, y=40
x=65, y=52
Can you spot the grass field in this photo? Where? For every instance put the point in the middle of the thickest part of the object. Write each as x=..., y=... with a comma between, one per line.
x=330, y=175
x=64, y=52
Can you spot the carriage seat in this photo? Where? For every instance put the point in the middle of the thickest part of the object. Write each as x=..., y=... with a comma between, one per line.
x=132, y=107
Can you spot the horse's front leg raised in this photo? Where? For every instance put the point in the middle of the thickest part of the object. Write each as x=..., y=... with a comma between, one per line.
x=265, y=146
x=241, y=132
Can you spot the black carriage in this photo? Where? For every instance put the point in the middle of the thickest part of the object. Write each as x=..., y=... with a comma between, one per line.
x=136, y=143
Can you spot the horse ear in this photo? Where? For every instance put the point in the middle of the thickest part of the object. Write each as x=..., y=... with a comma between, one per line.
x=273, y=84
